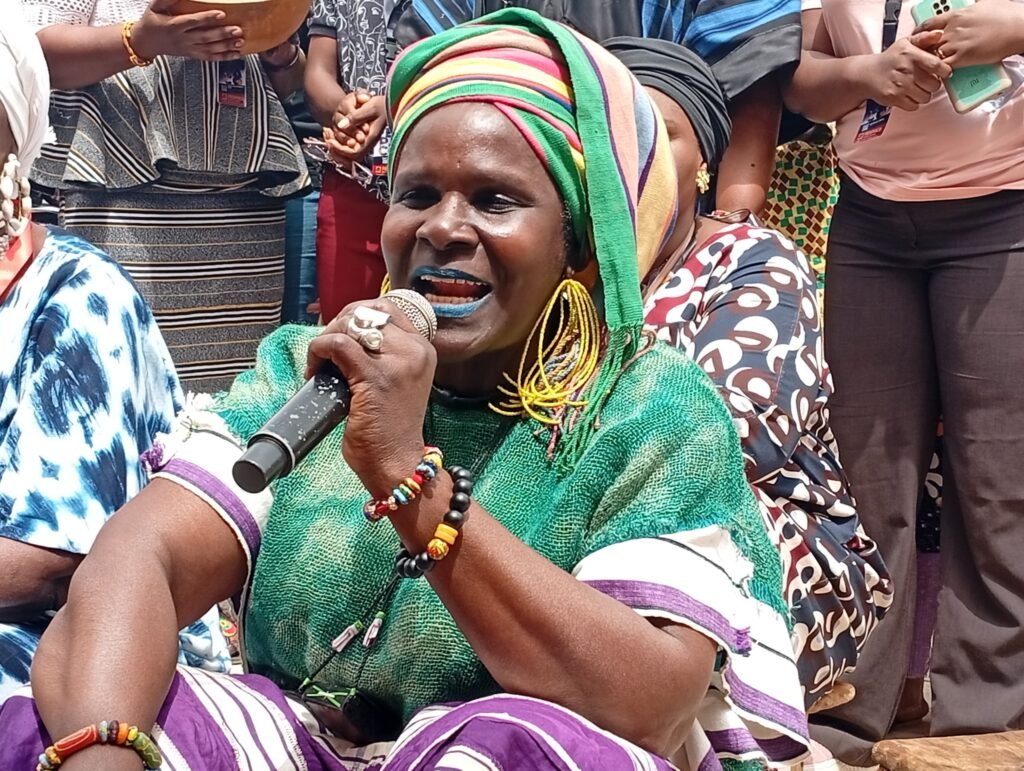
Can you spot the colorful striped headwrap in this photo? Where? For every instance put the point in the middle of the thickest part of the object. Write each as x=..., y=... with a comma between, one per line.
x=592, y=125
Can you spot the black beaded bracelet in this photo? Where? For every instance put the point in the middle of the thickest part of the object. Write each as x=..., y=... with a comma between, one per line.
x=408, y=566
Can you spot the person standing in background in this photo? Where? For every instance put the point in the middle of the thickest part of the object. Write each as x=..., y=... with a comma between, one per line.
x=924, y=316
x=751, y=45
x=300, y=291
x=174, y=156
x=351, y=47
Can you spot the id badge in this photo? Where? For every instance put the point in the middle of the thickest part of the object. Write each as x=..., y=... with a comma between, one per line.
x=379, y=154
x=231, y=82
x=873, y=124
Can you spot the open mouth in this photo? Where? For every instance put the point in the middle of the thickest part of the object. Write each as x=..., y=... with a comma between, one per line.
x=450, y=292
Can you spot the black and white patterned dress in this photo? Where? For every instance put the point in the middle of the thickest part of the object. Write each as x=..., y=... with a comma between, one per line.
x=365, y=33
x=744, y=306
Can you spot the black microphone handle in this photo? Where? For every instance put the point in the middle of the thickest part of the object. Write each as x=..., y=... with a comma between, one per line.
x=312, y=413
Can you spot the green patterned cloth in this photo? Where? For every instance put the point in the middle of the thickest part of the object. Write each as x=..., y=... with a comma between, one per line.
x=803, y=191
x=664, y=460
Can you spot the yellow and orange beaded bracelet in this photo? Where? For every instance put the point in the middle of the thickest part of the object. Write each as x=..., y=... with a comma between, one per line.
x=106, y=732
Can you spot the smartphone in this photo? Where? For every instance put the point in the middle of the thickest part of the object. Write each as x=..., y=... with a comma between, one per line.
x=968, y=87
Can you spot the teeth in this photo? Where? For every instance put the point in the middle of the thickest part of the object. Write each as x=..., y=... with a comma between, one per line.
x=438, y=299
x=447, y=280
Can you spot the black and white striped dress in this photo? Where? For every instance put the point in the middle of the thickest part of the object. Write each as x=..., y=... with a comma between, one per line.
x=185, y=192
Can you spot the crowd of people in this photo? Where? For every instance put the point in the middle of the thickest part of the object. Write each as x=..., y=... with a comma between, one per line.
x=640, y=503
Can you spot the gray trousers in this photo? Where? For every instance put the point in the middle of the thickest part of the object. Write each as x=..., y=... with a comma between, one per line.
x=924, y=313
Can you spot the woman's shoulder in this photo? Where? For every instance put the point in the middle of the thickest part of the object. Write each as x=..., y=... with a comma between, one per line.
x=751, y=242
x=283, y=352
x=66, y=248
x=664, y=392
x=69, y=269
x=258, y=393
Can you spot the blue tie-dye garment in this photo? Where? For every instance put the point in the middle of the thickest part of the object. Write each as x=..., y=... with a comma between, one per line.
x=86, y=382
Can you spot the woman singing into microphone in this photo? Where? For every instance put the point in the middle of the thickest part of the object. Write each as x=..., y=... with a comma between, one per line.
x=531, y=545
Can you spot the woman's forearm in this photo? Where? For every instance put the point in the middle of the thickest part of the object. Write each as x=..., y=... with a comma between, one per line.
x=746, y=169
x=113, y=649
x=323, y=92
x=81, y=56
x=542, y=633
x=824, y=88
x=158, y=565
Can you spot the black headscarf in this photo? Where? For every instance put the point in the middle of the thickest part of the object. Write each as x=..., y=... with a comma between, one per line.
x=683, y=76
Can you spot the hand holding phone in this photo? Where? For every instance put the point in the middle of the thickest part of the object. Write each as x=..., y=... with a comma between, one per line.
x=906, y=75
x=975, y=38
x=982, y=33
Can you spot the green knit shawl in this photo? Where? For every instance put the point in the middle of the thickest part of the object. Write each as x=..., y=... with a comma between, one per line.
x=665, y=459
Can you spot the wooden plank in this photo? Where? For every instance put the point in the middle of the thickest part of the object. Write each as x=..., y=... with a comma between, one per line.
x=983, y=752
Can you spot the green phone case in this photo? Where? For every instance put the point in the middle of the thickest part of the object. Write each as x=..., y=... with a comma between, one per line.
x=968, y=87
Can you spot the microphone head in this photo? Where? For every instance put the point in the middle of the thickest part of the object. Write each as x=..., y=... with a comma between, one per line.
x=416, y=309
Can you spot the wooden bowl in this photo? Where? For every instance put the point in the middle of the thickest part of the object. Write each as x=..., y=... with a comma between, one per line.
x=264, y=23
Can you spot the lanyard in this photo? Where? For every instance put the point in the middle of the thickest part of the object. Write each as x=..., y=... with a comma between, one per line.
x=890, y=22
x=876, y=116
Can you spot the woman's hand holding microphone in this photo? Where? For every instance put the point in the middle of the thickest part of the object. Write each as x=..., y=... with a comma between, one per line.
x=390, y=388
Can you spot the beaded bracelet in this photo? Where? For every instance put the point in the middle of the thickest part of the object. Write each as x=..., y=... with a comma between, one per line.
x=106, y=732
x=409, y=488
x=446, y=533
x=126, y=41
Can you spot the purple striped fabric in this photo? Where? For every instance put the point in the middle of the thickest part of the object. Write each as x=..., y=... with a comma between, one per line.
x=759, y=703
x=315, y=755
x=223, y=495
x=221, y=693
x=188, y=726
x=651, y=596
x=737, y=741
x=516, y=733
x=710, y=762
x=521, y=734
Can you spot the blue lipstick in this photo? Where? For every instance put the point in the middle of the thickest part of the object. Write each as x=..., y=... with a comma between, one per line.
x=457, y=310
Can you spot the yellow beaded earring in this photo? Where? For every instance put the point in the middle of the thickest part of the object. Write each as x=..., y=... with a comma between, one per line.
x=560, y=357
x=703, y=179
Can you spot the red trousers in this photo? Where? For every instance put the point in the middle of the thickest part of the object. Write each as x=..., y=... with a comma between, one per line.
x=349, y=265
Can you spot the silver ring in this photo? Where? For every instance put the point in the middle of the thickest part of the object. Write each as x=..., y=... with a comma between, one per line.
x=416, y=309
x=365, y=317
x=366, y=325
x=371, y=339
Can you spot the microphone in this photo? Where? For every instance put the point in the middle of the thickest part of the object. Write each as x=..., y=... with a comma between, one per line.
x=314, y=411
